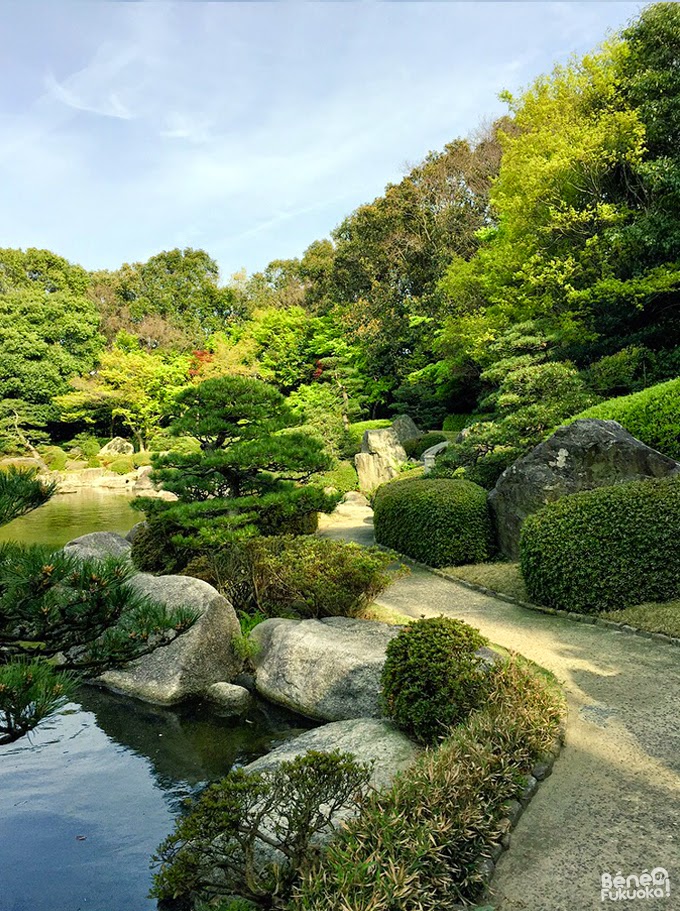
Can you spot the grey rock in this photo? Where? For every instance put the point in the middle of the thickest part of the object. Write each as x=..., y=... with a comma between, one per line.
x=543, y=768
x=196, y=659
x=373, y=470
x=98, y=545
x=233, y=700
x=514, y=811
x=429, y=457
x=580, y=456
x=529, y=790
x=380, y=458
x=405, y=428
x=378, y=743
x=325, y=669
x=371, y=740
x=117, y=446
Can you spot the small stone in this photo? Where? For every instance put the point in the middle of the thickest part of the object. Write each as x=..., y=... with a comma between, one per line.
x=505, y=841
x=495, y=851
x=543, y=768
x=232, y=699
x=530, y=789
x=486, y=869
x=514, y=811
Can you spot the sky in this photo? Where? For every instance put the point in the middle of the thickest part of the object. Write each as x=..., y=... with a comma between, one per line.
x=246, y=129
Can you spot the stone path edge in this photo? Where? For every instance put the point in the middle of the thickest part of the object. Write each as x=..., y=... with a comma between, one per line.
x=537, y=608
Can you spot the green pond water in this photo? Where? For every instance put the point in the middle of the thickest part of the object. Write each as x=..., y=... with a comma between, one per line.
x=66, y=516
x=86, y=799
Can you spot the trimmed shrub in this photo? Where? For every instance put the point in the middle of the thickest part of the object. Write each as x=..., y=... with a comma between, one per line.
x=652, y=415
x=85, y=445
x=54, y=457
x=122, y=465
x=415, y=448
x=605, y=549
x=432, y=678
x=440, y=522
x=454, y=423
x=141, y=459
x=421, y=844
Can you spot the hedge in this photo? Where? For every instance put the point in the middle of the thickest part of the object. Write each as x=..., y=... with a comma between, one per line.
x=440, y=522
x=605, y=549
x=652, y=415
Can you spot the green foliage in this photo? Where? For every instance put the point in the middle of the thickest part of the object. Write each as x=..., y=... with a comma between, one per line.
x=621, y=372
x=302, y=577
x=46, y=338
x=604, y=549
x=54, y=457
x=652, y=415
x=216, y=849
x=84, y=444
x=246, y=478
x=421, y=844
x=30, y=691
x=433, y=678
x=141, y=459
x=415, y=448
x=131, y=386
x=21, y=492
x=440, y=522
x=343, y=478
x=122, y=465
x=319, y=408
x=311, y=577
x=454, y=423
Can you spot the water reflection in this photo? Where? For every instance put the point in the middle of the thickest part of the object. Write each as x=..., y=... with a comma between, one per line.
x=67, y=516
x=86, y=800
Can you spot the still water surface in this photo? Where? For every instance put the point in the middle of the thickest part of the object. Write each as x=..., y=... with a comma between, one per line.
x=69, y=515
x=86, y=798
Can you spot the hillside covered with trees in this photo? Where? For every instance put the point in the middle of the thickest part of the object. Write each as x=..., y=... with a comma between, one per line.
x=511, y=280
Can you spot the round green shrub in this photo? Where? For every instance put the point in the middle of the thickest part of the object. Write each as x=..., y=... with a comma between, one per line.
x=652, y=415
x=605, y=549
x=432, y=678
x=141, y=459
x=122, y=465
x=441, y=522
x=415, y=448
x=54, y=457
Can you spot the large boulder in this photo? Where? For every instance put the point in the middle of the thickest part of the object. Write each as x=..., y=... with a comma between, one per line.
x=405, y=428
x=380, y=457
x=579, y=456
x=325, y=669
x=98, y=545
x=371, y=740
x=191, y=663
x=117, y=446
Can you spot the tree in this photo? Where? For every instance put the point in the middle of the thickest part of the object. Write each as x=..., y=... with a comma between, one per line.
x=131, y=386
x=61, y=617
x=247, y=477
x=46, y=338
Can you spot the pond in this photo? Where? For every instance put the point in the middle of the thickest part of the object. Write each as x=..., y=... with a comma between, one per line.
x=68, y=515
x=87, y=798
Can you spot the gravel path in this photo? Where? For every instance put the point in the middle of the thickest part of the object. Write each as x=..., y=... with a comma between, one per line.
x=613, y=802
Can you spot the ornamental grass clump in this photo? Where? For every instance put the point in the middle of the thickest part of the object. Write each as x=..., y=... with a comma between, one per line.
x=605, y=549
x=441, y=522
x=433, y=678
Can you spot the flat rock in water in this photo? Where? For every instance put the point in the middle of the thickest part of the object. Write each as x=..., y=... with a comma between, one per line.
x=325, y=669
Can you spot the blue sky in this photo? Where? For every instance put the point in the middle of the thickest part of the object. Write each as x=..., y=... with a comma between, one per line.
x=247, y=129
